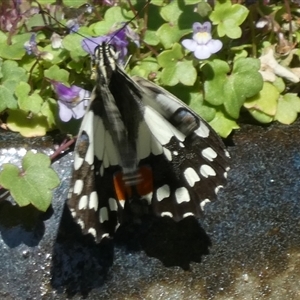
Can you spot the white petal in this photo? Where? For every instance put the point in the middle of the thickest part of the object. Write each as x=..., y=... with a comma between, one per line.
x=189, y=44
x=202, y=52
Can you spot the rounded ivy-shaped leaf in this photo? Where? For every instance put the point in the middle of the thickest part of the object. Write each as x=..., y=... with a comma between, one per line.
x=175, y=68
x=32, y=184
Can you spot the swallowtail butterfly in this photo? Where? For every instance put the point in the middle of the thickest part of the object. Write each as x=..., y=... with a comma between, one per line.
x=140, y=149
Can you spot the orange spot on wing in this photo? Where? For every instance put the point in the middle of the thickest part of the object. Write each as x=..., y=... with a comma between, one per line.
x=143, y=187
x=146, y=185
x=122, y=191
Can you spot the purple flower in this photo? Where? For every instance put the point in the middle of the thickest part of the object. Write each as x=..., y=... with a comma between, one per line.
x=131, y=34
x=117, y=39
x=202, y=43
x=72, y=101
x=73, y=25
x=31, y=46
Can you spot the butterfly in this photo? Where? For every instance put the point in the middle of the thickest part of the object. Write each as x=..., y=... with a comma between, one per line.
x=140, y=150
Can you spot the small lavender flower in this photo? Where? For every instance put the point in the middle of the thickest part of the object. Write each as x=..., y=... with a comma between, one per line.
x=31, y=46
x=32, y=49
x=132, y=35
x=72, y=101
x=73, y=25
x=202, y=43
x=117, y=39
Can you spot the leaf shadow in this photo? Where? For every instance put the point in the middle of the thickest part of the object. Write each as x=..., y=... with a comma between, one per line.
x=22, y=224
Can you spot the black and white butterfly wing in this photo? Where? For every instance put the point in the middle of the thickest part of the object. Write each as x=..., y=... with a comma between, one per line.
x=194, y=162
x=106, y=162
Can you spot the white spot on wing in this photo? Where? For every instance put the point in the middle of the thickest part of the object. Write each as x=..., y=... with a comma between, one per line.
x=92, y=231
x=181, y=145
x=217, y=189
x=70, y=193
x=78, y=161
x=209, y=153
x=101, y=170
x=203, y=203
x=80, y=223
x=202, y=131
x=166, y=214
x=175, y=153
x=182, y=195
x=93, y=201
x=188, y=214
x=148, y=197
x=191, y=176
x=105, y=235
x=78, y=186
x=122, y=203
x=168, y=154
x=163, y=192
x=83, y=202
x=113, y=205
x=103, y=214
x=87, y=125
x=207, y=171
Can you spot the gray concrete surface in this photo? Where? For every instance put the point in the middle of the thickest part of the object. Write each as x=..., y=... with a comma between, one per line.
x=252, y=234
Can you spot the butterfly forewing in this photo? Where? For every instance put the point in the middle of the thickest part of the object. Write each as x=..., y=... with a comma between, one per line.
x=140, y=149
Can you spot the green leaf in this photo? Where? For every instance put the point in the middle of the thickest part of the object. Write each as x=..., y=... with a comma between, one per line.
x=11, y=71
x=49, y=109
x=157, y=2
x=201, y=107
x=145, y=67
x=16, y=50
x=215, y=73
x=279, y=84
x=7, y=99
x=57, y=74
x=114, y=15
x=288, y=108
x=204, y=9
x=223, y=125
x=229, y=17
x=244, y=82
x=29, y=103
x=174, y=65
x=179, y=22
x=263, y=106
x=72, y=43
x=151, y=38
x=18, y=121
x=32, y=184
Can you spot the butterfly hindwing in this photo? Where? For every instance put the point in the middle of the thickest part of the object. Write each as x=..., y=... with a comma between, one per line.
x=194, y=164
